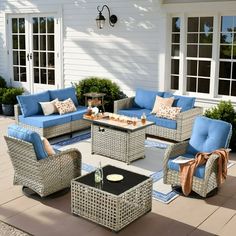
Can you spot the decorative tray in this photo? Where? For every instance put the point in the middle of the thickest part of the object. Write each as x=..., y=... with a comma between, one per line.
x=114, y=177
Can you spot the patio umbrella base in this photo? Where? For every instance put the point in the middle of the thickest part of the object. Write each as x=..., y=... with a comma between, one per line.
x=32, y=194
x=178, y=189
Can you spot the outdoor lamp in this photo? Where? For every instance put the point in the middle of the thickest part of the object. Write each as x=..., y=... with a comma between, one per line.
x=101, y=19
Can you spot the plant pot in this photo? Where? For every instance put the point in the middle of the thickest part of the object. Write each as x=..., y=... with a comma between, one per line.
x=8, y=109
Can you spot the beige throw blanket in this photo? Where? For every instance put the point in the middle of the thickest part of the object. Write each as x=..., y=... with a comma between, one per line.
x=187, y=169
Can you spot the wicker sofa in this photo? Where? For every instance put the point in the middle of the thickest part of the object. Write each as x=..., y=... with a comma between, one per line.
x=143, y=102
x=28, y=113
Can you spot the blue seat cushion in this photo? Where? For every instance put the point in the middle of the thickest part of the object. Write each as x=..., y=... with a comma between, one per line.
x=134, y=112
x=186, y=103
x=42, y=121
x=78, y=115
x=199, y=172
x=163, y=122
x=29, y=136
x=29, y=104
x=146, y=98
x=208, y=135
x=63, y=94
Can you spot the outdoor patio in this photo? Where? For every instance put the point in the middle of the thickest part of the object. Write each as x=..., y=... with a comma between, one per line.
x=51, y=216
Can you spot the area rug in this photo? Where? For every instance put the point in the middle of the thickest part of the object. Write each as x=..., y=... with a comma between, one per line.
x=151, y=165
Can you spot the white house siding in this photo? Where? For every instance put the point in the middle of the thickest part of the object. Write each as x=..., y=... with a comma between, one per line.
x=132, y=53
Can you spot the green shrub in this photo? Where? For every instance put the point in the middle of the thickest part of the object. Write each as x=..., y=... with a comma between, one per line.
x=9, y=96
x=102, y=85
x=3, y=83
x=2, y=91
x=224, y=111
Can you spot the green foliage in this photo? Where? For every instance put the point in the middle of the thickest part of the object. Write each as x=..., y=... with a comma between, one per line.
x=2, y=91
x=102, y=85
x=3, y=83
x=224, y=111
x=9, y=95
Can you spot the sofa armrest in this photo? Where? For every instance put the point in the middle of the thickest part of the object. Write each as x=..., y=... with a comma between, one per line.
x=123, y=103
x=17, y=112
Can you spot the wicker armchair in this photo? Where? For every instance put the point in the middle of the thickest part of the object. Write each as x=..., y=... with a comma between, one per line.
x=44, y=176
x=207, y=136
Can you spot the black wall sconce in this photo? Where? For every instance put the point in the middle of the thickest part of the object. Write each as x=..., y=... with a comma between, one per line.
x=101, y=19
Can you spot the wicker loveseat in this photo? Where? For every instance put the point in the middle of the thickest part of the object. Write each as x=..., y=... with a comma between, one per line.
x=143, y=102
x=34, y=168
x=28, y=113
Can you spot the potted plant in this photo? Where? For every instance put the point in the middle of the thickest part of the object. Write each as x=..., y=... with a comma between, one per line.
x=9, y=100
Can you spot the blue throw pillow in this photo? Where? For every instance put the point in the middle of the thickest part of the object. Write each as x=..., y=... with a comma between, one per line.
x=208, y=135
x=29, y=136
x=29, y=104
x=186, y=103
x=146, y=98
x=63, y=94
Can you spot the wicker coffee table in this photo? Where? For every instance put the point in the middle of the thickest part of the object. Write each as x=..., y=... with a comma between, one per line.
x=112, y=204
x=118, y=140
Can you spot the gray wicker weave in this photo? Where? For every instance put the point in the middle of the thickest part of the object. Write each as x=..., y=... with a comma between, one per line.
x=44, y=176
x=53, y=131
x=110, y=210
x=184, y=122
x=200, y=186
x=123, y=143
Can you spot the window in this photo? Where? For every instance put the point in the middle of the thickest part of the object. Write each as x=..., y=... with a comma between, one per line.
x=200, y=52
x=175, y=51
x=227, y=61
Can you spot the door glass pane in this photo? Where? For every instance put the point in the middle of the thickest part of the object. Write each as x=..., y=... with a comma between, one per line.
x=204, y=68
x=176, y=24
x=234, y=52
x=192, y=38
x=42, y=24
x=233, y=88
x=175, y=82
x=234, y=71
x=43, y=75
x=36, y=59
x=21, y=25
x=225, y=69
x=36, y=75
x=175, y=38
x=193, y=24
x=42, y=42
x=22, y=74
x=50, y=25
x=175, y=50
x=16, y=73
x=43, y=59
x=35, y=25
x=51, y=77
x=51, y=42
x=15, y=42
x=35, y=42
x=203, y=85
x=22, y=58
x=174, y=66
x=206, y=38
x=22, y=41
x=51, y=60
x=15, y=58
x=14, y=25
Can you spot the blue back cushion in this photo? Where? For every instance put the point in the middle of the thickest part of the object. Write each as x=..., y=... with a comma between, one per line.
x=63, y=94
x=146, y=98
x=186, y=103
x=29, y=104
x=209, y=135
x=29, y=136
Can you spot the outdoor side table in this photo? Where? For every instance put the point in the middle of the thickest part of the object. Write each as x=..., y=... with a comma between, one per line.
x=112, y=204
x=93, y=97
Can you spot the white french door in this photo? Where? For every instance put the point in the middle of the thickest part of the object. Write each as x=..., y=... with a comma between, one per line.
x=32, y=52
